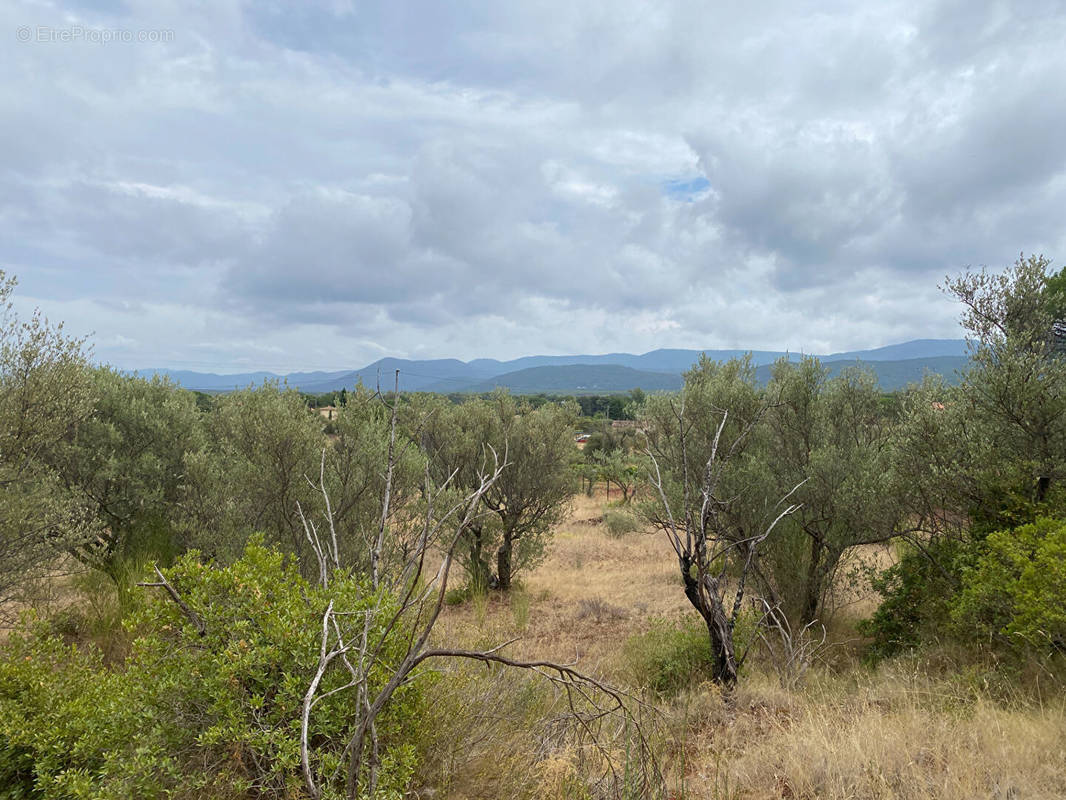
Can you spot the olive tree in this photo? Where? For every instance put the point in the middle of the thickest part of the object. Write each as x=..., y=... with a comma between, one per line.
x=264, y=444
x=45, y=394
x=531, y=495
x=703, y=445
x=456, y=438
x=409, y=594
x=270, y=457
x=126, y=461
x=620, y=469
x=981, y=457
x=830, y=434
x=1016, y=386
x=365, y=457
x=613, y=456
x=987, y=454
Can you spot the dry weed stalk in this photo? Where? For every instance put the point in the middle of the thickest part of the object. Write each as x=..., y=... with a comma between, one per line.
x=791, y=652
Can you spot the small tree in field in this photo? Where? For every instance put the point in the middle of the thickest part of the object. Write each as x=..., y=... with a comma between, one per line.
x=453, y=438
x=831, y=432
x=353, y=643
x=702, y=449
x=533, y=494
x=527, y=500
x=620, y=469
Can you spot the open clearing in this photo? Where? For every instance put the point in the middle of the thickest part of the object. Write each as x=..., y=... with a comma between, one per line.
x=928, y=727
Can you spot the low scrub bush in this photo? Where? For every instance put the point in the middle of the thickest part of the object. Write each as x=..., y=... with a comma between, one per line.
x=520, y=607
x=457, y=595
x=474, y=589
x=186, y=715
x=916, y=595
x=1007, y=590
x=620, y=522
x=669, y=657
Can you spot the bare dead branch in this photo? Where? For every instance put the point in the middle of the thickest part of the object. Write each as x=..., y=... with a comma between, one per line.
x=191, y=615
x=794, y=653
x=375, y=553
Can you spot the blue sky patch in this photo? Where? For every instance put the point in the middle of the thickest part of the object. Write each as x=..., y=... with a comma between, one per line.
x=687, y=189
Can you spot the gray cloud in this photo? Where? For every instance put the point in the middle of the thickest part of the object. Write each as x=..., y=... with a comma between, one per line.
x=318, y=185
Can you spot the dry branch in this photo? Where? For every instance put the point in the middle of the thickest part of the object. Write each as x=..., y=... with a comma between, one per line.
x=191, y=615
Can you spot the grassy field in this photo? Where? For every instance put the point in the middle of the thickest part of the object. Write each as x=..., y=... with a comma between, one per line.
x=936, y=726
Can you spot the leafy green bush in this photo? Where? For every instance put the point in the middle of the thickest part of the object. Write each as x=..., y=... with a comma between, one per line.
x=1008, y=588
x=185, y=715
x=916, y=595
x=1016, y=593
x=619, y=522
x=669, y=658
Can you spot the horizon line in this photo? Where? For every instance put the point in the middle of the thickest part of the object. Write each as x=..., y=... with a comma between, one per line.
x=739, y=350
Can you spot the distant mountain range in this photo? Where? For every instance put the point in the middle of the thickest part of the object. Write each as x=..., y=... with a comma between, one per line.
x=895, y=366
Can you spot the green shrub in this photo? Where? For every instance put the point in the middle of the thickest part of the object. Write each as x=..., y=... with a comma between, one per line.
x=669, y=658
x=1007, y=588
x=473, y=589
x=619, y=522
x=185, y=715
x=916, y=595
x=1016, y=592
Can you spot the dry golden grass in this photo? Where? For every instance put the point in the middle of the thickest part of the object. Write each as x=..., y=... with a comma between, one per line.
x=878, y=737
x=591, y=593
x=45, y=595
x=903, y=731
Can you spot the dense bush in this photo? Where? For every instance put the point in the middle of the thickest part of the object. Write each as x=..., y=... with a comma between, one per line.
x=1016, y=593
x=916, y=594
x=185, y=715
x=126, y=462
x=1007, y=590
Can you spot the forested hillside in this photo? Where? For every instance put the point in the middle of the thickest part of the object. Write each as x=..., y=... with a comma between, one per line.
x=895, y=366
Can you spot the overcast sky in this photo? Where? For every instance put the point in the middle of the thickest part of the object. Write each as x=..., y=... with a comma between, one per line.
x=316, y=185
